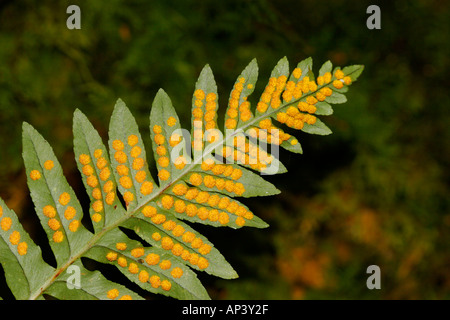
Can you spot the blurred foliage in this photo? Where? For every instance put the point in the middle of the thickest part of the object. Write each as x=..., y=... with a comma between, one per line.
x=374, y=192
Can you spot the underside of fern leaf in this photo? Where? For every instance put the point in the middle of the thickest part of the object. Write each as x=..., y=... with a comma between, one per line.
x=202, y=175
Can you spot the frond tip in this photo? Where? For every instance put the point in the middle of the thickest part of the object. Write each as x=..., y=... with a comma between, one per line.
x=202, y=176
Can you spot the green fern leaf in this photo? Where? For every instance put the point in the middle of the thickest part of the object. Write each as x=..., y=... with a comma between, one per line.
x=202, y=175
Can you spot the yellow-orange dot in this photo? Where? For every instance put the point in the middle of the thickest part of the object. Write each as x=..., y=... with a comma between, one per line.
x=196, y=243
x=240, y=221
x=64, y=198
x=152, y=259
x=158, y=218
x=241, y=210
x=163, y=174
x=167, y=202
x=49, y=211
x=54, y=224
x=191, y=193
x=133, y=140
x=177, y=249
x=118, y=145
x=180, y=189
x=179, y=206
x=197, y=112
x=223, y=203
x=112, y=294
x=236, y=174
x=110, y=197
x=108, y=186
x=138, y=252
x=171, y=121
x=202, y=197
x=239, y=189
x=202, y=263
x=35, y=175
x=22, y=248
x=213, y=200
x=175, y=139
x=178, y=230
x=157, y=129
x=204, y=249
x=146, y=188
x=338, y=84
x=167, y=243
x=327, y=77
x=92, y=181
x=209, y=181
x=224, y=218
x=84, y=159
x=164, y=162
x=218, y=169
x=188, y=236
x=120, y=157
x=193, y=259
x=104, y=174
x=156, y=236
x=122, y=262
x=339, y=74
x=297, y=73
x=135, y=151
x=14, y=238
x=176, y=272
x=140, y=176
x=248, y=215
x=155, y=281
x=111, y=256
x=143, y=276
x=73, y=226
x=195, y=179
x=133, y=268
x=49, y=164
x=58, y=237
x=121, y=246
x=96, y=193
x=165, y=264
x=126, y=297
x=126, y=182
x=211, y=97
x=191, y=210
x=159, y=139
x=101, y=163
x=96, y=217
x=98, y=153
x=229, y=186
x=166, y=285
x=169, y=225
x=185, y=255
x=149, y=211
x=161, y=150
x=213, y=215
x=97, y=206
x=138, y=163
x=6, y=223
x=347, y=80
x=230, y=123
x=199, y=94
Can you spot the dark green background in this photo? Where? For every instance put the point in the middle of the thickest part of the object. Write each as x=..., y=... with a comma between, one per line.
x=374, y=192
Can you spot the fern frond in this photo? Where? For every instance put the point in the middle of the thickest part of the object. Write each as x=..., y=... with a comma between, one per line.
x=202, y=176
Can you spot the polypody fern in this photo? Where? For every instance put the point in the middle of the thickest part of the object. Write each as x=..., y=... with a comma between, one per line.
x=201, y=172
